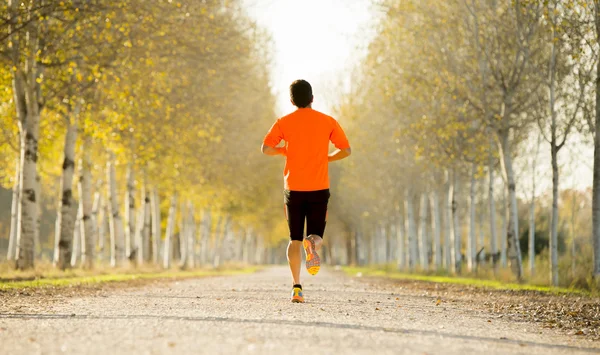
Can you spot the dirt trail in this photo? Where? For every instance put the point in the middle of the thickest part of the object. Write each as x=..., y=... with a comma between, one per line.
x=252, y=314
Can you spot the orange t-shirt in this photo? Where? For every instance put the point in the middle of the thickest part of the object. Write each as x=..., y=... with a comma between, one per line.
x=306, y=133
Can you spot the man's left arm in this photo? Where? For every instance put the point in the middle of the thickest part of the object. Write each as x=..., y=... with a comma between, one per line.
x=272, y=139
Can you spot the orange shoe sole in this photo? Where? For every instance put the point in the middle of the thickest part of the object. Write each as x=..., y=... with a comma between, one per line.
x=313, y=262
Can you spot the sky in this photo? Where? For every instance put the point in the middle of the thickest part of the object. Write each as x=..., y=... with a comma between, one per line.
x=322, y=40
x=315, y=40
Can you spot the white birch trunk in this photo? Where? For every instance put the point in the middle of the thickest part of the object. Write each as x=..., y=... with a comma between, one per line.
x=492, y=206
x=448, y=230
x=514, y=249
x=156, y=225
x=139, y=231
x=96, y=215
x=400, y=244
x=117, y=240
x=130, y=247
x=103, y=226
x=27, y=102
x=191, y=233
x=147, y=222
x=67, y=208
x=503, y=237
x=85, y=194
x=38, y=194
x=436, y=220
x=596, y=170
x=14, y=213
x=77, y=245
x=205, y=244
x=532, y=215
x=182, y=236
x=246, y=252
x=472, y=243
x=169, y=232
x=456, y=225
x=481, y=243
x=423, y=247
x=412, y=230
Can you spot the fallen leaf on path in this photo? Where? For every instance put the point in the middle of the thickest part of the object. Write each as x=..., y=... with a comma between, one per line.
x=377, y=309
x=438, y=302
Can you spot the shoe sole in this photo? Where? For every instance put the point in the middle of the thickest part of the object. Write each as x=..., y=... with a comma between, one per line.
x=314, y=264
x=297, y=300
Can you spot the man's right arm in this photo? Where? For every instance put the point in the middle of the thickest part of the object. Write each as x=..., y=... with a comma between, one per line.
x=339, y=154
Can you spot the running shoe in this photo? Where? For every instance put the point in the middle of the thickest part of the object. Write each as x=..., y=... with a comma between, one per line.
x=297, y=295
x=313, y=262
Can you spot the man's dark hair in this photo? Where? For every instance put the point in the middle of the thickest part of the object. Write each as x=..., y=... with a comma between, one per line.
x=301, y=93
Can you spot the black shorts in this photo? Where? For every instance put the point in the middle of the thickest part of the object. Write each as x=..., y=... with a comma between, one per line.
x=309, y=206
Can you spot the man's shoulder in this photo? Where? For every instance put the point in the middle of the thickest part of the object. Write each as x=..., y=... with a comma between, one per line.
x=300, y=114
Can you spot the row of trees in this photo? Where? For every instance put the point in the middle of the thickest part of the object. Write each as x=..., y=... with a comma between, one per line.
x=450, y=97
x=149, y=107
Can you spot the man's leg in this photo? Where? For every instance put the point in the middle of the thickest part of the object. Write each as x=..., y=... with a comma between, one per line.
x=294, y=256
x=316, y=218
x=295, y=214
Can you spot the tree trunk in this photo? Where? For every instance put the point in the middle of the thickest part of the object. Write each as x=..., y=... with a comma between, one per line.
x=456, y=225
x=103, y=226
x=96, y=214
x=117, y=244
x=130, y=246
x=77, y=242
x=38, y=194
x=205, y=241
x=412, y=230
x=503, y=237
x=156, y=225
x=220, y=227
x=573, y=249
x=554, y=220
x=492, y=204
x=448, y=229
x=191, y=233
x=169, y=232
x=531, y=246
x=14, y=213
x=554, y=148
x=27, y=102
x=472, y=242
x=400, y=244
x=514, y=249
x=147, y=221
x=424, y=245
x=596, y=178
x=481, y=244
x=85, y=194
x=67, y=207
x=437, y=229
x=139, y=230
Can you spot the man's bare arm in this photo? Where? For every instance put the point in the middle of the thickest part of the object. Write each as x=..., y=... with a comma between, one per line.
x=339, y=154
x=272, y=151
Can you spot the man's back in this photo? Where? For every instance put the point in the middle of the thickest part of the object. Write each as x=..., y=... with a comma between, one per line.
x=307, y=133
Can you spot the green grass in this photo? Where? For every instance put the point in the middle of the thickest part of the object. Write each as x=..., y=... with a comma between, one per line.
x=457, y=280
x=106, y=278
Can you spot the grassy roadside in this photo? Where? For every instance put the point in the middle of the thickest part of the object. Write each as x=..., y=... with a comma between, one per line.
x=78, y=278
x=465, y=281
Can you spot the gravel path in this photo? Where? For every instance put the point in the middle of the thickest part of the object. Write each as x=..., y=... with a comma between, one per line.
x=252, y=314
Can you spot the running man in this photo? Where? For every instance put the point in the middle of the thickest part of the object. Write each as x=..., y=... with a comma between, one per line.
x=306, y=133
